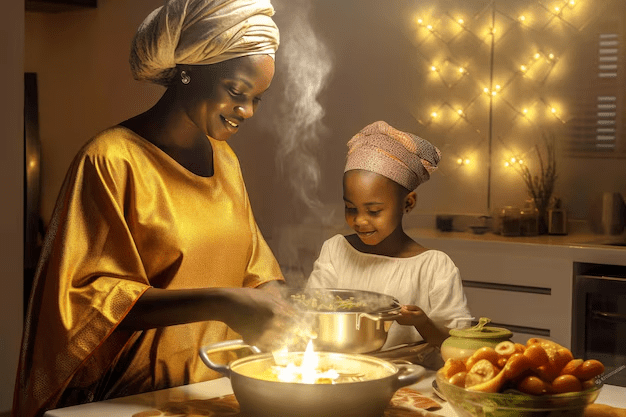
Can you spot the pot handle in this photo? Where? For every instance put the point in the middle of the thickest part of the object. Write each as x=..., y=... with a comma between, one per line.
x=408, y=374
x=376, y=317
x=227, y=345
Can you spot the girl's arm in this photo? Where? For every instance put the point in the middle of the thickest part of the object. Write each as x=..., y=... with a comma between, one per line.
x=431, y=332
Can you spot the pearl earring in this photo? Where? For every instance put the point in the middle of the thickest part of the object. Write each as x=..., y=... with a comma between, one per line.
x=185, y=78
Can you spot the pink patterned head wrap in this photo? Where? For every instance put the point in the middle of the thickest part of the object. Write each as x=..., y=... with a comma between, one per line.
x=402, y=157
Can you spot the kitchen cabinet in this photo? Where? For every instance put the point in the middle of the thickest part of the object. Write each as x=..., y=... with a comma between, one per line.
x=523, y=284
x=53, y=6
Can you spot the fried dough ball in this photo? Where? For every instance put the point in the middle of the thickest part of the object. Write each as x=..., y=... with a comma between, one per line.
x=481, y=371
x=566, y=383
x=487, y=353
x=589, y=369
x=533, y=385
x=453, y=366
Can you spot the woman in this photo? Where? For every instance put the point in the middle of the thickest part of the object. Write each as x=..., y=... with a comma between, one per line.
x=153, y=250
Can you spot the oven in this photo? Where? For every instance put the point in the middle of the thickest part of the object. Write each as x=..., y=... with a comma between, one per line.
x=599, y=318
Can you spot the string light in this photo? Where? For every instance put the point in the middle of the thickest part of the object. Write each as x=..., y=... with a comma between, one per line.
x=537, y=67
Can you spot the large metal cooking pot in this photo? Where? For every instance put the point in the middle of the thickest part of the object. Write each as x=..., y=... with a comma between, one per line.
x=265, y=398
x=344, y=329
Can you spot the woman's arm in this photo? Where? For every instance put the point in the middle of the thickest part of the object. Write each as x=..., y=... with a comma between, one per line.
x=252, y=313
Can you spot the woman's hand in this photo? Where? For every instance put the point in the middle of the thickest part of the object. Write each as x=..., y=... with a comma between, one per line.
x=262, y=318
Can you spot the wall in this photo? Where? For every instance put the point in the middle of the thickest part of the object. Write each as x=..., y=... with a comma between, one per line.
x=11, y=189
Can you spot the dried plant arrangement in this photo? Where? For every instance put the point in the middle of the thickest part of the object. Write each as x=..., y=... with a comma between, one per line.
x=541, y=185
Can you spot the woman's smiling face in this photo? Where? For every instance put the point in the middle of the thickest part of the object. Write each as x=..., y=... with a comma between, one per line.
x=220, y=97
x=374, y=205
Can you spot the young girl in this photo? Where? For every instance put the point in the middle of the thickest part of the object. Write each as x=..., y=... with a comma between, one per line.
x=383, y=168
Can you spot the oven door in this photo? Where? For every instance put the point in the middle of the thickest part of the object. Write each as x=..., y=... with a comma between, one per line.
x=599, y=321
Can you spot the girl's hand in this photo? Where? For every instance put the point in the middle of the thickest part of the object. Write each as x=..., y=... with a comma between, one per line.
x=412, y=316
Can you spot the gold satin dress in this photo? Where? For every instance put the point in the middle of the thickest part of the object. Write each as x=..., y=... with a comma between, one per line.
x=129, y=218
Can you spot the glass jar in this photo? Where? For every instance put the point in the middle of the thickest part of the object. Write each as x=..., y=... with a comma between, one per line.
x=462, y=343
x=510, y=218
x=529, y=220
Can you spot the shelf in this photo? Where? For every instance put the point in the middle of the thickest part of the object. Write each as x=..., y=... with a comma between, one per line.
x=56, y=6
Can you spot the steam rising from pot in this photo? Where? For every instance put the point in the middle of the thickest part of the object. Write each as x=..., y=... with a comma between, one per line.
x=305, y=65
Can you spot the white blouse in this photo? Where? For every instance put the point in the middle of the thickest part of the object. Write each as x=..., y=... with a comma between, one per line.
x=429, y=280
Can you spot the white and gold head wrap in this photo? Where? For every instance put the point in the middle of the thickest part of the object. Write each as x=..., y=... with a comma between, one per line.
x=201, y=32
x=402, y=157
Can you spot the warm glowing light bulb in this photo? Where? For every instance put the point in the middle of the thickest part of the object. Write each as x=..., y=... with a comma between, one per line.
x=537, y=55
x=513, y=160
x=486, y=90
x=434, y=114
x=461, y=21
x=522, y=18
x=460, y=112
x=467, y=161
x=521, y=162
x=572, y=2
x=498, y=87
x=553, y=110
x=459, y=161
x=523, y=68
x=525, y=111
x=433, y=68
x=420, y=21
x=429, y=27
x=557, y=9
x=551, y=56
x=506, y=164
x=493, y=31
x=461, y=70
x=493, y=93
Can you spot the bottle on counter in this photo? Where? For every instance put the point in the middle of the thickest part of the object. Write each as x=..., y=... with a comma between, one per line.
x=557, y=219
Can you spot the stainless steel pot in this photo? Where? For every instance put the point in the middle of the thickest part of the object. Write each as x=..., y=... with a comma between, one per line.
x=264, y=398
x=361, y=329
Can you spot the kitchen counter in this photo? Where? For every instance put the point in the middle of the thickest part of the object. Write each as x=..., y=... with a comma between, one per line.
x=577, y=247
x=150, y=404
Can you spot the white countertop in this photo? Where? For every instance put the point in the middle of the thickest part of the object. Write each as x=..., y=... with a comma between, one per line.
x=152, y=401
x=578, y=247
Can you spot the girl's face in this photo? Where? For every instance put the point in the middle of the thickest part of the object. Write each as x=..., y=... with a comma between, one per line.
x=220, y=97
x=374, y=205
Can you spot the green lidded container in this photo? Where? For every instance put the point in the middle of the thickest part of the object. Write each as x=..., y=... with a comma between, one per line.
x=463, y=342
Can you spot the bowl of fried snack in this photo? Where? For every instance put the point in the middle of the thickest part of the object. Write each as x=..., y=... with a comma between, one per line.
x=540, y=378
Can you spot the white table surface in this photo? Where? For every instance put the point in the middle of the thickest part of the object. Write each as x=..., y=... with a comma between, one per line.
x=128, y=406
